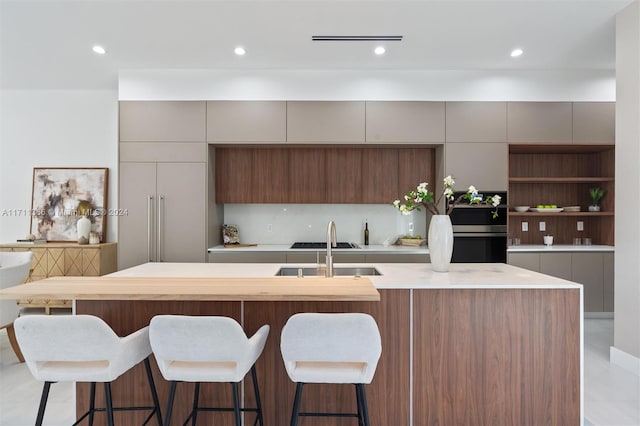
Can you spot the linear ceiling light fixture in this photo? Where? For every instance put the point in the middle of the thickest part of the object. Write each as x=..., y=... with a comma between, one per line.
x=356, y=38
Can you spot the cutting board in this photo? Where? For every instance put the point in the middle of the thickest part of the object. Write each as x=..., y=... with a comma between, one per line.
x=239, y=245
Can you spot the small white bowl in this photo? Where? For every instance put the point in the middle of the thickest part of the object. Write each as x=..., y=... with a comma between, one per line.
x=521, y=208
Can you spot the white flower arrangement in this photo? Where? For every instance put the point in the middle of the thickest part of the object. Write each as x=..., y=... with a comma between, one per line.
x=422, y=197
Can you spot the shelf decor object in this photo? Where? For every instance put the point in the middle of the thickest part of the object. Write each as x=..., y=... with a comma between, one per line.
x=440, y=234
x=596, y=194
x=62, y=196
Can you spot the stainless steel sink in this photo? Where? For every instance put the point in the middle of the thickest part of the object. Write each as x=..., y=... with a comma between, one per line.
x=293, y=271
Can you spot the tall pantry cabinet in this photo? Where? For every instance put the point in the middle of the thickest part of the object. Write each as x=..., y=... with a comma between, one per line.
x=163, y=175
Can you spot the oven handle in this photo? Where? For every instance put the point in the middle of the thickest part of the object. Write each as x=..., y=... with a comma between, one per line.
x=480, y=235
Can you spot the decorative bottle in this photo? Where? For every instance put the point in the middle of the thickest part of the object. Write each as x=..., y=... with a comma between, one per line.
x=366, y=233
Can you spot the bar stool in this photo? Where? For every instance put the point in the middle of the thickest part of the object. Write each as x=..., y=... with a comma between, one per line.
x=206, y=349
x=331, y=348
x=83, y=348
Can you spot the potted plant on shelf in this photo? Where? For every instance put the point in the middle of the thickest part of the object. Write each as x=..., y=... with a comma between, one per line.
x=596, y=196
x=440, y=234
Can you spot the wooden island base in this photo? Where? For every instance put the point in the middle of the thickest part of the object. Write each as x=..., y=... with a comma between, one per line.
x=450, y=357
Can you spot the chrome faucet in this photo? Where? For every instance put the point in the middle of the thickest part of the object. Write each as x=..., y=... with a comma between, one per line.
x=331, y=242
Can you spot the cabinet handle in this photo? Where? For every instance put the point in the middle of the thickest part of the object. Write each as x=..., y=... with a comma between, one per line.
x=160, y=226
x=150, y=228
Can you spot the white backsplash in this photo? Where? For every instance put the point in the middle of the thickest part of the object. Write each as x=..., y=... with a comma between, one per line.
x=287, y=223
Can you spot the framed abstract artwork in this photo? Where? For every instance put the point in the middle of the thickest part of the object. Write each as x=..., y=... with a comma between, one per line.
x=61, y=196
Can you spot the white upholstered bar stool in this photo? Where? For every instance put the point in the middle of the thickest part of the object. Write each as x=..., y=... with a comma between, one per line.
x=206, y=349
x=14, y=270
x=331, y=348
x=83, y=348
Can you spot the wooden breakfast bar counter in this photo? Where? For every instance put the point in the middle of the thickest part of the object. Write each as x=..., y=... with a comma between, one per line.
x=481, y=344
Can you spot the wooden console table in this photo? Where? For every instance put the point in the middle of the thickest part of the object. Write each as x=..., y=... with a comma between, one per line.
x=65, y=259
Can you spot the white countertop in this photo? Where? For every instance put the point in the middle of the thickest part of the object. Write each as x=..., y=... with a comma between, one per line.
x=558, y=248
x=375, y=248
x=394, y=275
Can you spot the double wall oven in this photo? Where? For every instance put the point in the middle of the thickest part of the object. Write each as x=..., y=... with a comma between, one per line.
x=477, y=235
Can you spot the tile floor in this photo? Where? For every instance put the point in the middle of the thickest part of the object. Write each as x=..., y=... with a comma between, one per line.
x=612, y=395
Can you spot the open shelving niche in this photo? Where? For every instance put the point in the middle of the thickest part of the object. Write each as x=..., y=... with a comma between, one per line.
x=561, y=175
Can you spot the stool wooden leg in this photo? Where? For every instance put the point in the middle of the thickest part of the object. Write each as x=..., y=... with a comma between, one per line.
x=154, y=393
x=109, y=405
x=236, y=404
x=296, y=404
x=43, y=403
x=256, y=390
x=172, y=394
x=92, y=402
x=196, y=396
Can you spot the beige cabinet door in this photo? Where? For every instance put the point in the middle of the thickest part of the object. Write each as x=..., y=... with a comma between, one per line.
x=476, y=121
x=325, y=121
x=181, y=189
x=247, y=121
x=588, y=270
x=405, y=122
x=136, y=228
x=530, y=261
x=539, y=122
x=481, y=164
x=556, y=265
x=162, y=121
x=594, y=122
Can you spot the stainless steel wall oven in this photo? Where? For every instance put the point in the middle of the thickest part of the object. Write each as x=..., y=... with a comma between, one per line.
x=477, y=235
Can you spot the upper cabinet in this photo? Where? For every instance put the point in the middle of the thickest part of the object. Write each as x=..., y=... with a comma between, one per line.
x=594, y=123
x=482, y=164
x=539, y=122
x=325, y=121
x=247, y=121
x=476, y=121
x=162, y=121
x=405, y=122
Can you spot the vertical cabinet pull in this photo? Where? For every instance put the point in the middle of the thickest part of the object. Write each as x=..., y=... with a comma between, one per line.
x=160, y=227
x=150, y=239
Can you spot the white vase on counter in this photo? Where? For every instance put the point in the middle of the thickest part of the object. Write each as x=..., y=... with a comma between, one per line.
x=440, y=240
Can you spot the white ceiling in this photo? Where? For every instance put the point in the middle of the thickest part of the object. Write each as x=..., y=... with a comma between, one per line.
x=47, y=44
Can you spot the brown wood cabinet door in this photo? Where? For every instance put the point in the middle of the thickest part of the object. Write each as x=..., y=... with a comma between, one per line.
x=270, y=175
x=344, y=175
x=234, y=175
x=416, y=165
x=307, y=175
x=379, y=175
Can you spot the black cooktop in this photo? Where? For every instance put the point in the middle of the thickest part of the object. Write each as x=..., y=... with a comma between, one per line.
x=321, y=245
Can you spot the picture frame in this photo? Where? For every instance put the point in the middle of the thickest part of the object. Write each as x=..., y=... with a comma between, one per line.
x=62, y=195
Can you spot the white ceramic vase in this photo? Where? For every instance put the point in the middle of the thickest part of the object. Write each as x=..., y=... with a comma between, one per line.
x=84, y=228
x=440, y=240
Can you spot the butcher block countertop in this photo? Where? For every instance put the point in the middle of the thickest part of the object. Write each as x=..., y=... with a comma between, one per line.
x=197, y=288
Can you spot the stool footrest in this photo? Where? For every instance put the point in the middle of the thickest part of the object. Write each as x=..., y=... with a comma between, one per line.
x=328, y=414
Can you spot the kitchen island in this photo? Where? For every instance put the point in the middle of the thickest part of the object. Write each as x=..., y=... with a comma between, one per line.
x=481, y=344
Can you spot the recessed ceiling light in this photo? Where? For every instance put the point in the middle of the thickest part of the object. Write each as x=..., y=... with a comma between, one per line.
x=239, y=51
x=99, y=50
x=379, y=50
x=516, y=52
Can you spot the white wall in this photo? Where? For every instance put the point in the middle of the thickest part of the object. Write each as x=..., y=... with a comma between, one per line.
x=308, y=222
x=45, y=128
x=627, y=232
x=486, y=85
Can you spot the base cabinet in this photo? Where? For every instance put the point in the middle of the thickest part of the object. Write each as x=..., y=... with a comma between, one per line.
x=65, y=259
x=593, y=270
x=449, y=357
